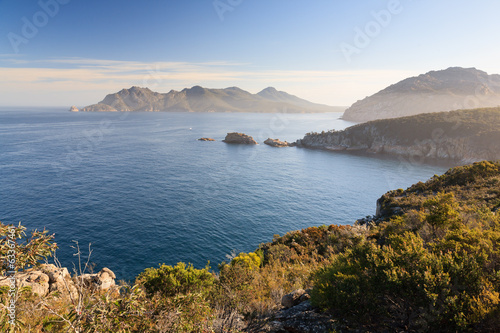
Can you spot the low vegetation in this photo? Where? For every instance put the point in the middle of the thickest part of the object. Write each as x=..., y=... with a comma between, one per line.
x=429, y=262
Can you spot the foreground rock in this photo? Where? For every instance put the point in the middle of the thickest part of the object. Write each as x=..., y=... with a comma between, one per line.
x=102, y=281
x=239, y=138
x=49, y=278
x=206, y=139
x=278, y=143
x=299, y=316
x=294, y=298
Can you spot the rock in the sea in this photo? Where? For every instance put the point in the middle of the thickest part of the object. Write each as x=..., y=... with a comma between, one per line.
x=239, y=138
x=206, y=139
x=73, y=109
x=278, y=143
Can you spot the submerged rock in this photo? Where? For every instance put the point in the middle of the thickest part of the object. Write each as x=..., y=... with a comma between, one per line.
x=206, y=139
x=239, y=138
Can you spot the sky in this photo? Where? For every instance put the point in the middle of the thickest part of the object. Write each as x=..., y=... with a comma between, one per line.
x=74, y=52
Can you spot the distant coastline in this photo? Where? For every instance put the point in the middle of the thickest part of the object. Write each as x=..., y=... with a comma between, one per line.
x=199, y=99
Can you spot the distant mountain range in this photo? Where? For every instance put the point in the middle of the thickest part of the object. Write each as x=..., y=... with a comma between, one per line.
x=445, y=90
x=199, y=99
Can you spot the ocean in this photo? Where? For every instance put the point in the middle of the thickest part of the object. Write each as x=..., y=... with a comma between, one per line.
x=142, y=190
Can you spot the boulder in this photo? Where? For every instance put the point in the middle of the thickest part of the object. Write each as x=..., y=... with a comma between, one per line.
x=206, y=139
x=278, y=143
x=106, y=278
x=48, y=278
x=102, y=281
x=294, y=298
x=59, y=280
x=37, y=280
x=303, y=318
x=239, y=138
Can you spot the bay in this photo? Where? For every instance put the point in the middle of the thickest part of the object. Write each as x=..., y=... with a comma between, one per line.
x=143, y=190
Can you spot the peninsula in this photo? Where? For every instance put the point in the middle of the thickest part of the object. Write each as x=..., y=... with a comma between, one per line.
x=463, y=136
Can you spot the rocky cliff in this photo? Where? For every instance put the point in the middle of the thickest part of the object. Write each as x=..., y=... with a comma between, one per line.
x=199, y=99
x=48, y=278
x=450, y=89
x=464, y=136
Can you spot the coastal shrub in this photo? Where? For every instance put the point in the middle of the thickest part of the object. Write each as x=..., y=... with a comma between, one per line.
x=406, y=283
x=18, y=251
x=178, y=279
x=441, y=211
x=249, y=260
x=313, y=244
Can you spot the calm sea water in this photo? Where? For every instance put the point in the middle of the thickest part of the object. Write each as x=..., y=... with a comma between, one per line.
x=142, y=190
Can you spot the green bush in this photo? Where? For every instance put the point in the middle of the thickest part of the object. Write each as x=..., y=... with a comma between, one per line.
x=407, y=283
x=179, y=279
x=249, y=260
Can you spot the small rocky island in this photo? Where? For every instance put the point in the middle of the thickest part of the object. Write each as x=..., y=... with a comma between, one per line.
x=239, y=138
x=278, y=143
x=206, y=139
x=73, y=109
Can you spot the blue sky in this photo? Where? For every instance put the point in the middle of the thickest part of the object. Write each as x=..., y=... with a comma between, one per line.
x=64, y=52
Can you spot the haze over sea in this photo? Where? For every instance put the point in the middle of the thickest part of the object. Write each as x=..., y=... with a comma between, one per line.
x=144, y=191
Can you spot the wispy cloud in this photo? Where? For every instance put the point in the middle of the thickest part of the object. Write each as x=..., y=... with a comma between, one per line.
x=85, y=81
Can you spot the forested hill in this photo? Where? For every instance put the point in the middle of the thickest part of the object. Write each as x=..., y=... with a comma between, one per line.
x=464, y=136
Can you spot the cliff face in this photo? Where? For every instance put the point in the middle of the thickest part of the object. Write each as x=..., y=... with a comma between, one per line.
x=465, y=136
x=199, y=99
x=445, y=90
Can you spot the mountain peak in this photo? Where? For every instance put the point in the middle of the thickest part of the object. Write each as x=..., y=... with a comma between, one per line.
x=440, y=90
x=269, y=90
x=133, y=89
x=200, y=99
